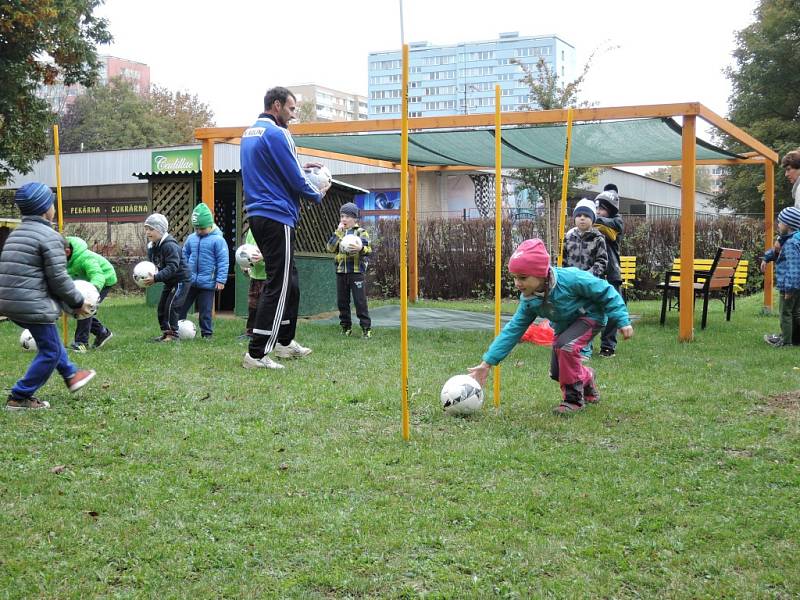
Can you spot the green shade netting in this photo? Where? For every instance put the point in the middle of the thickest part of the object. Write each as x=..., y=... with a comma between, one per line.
x=602, y=143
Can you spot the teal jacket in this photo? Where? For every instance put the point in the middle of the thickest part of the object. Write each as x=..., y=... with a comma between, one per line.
x=572, y=294
x=90, y=266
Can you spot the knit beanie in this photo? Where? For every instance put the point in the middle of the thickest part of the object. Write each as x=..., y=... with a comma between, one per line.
x=201, y=216
x=610, y=201
x=790, y=216
x=158, y=222
x=33, y=198
x=530, y=258
x=349, y=209
x=585, y=207
x=610, y=187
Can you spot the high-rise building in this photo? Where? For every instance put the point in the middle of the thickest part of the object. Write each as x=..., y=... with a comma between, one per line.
x=60, y=96
x=460, y=78
x=319, y=103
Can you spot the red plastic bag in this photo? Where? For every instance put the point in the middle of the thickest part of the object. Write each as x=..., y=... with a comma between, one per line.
x=540, y=333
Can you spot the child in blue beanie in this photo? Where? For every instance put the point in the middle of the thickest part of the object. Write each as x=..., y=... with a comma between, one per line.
x=33, y=285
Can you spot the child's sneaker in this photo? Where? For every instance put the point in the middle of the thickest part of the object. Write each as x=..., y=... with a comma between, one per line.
x=607, y=352
x=293, y=350
x=347, y=331
x=100, y=340
x=26, y=404
x=80, y=379
x=567, y=408
x=248, y=362
x=774, y=340
x=166, y=337
x=79, y=348
x=367, y=334
x=590, y=392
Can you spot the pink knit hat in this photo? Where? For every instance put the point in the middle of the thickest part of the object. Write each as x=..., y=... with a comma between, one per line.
x=530, y=258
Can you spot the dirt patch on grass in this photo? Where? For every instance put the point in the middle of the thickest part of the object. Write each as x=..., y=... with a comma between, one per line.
x=787, y=402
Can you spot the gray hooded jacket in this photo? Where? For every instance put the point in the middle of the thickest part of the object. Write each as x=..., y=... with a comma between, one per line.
x=33, y=274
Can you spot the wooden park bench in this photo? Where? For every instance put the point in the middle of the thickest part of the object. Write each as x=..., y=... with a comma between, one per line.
x=720, y=276
x=704, y=264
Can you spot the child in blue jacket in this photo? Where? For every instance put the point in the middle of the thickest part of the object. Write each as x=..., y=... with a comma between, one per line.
x=577, y=303
x=206, y=254
x=786, y=255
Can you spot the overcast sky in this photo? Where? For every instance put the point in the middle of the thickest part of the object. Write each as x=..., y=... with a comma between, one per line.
x=229, y=53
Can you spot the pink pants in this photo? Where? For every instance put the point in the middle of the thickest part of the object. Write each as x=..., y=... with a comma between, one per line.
x=565, y=364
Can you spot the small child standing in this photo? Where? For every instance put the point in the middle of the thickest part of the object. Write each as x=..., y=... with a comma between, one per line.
x=350, y=269
x=576, y=303
x=786, y=255
x=258, y=278
x=84, y=264
x=165, y=253
x=609, y=223
x=33, y=280
x=585, y=246
x=206, y=255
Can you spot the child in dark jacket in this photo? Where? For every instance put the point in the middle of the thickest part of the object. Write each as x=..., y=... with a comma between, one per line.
x=584, y=246
x=33, y=283
x=786, y=255
x=165, y=253
x=84, y=264
x=609, y=223
x=577, y=304
x=350, y=269
x=206, y=255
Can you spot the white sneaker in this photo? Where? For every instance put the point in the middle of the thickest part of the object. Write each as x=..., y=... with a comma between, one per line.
x=293, y=350
x=259, y=363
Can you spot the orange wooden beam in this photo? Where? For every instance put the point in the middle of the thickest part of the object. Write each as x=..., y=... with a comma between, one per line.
x=686, y=309
x=737, y=133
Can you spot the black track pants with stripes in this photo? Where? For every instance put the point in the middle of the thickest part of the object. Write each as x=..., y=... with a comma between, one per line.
x=276, y=315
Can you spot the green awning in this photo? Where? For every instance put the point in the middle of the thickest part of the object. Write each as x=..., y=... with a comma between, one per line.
x=593, y=144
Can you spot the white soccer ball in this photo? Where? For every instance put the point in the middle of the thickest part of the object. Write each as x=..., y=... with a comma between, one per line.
x=350, y=244
x=90, y=296
x=142, y=271
x=320, y=177
x=186, y=330
x=246, y=256
x=27, y=342
x=461, y=395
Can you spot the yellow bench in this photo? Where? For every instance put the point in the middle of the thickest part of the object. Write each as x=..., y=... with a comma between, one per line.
x=704, y=264
x=627, y=270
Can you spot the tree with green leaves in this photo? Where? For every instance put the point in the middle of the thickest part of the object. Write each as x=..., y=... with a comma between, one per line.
x=546, y=92
x=41, y=42
x=114, y=116
x=306, y=111
x=764, y=101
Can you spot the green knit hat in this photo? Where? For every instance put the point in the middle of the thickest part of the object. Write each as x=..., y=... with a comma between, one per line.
x=201, y=217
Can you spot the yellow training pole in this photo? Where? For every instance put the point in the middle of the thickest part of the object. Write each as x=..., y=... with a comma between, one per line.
x=562, y=218
x=498, y=229
x=60, y=213
x=688, y=165
x=769, y=229
x=413, y=255
x=404, y=249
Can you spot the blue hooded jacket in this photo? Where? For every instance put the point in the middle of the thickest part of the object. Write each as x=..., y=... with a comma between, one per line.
x=207, y=259
x=272, y=177
x=572, y=294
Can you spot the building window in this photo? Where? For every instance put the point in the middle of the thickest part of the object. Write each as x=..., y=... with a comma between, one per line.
x=485, y=55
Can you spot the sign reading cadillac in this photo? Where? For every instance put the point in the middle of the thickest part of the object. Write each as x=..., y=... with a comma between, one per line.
x=175, y=161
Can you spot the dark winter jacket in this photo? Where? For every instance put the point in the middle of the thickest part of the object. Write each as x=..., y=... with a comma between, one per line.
x=167, y=257
x=207, y=258
x=89, y=266
x=586, y=251
x=611, y=228
x=33, y=274
x=787, y=263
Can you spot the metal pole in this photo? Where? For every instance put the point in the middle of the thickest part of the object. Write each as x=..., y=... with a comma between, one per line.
x=498, y=231
x=404, y=250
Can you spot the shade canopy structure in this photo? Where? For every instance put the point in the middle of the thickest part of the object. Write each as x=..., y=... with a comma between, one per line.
x=612, y=136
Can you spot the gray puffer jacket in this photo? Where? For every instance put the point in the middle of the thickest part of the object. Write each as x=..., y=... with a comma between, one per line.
x=33, y=274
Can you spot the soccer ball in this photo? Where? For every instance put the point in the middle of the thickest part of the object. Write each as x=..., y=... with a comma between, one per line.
x=320, y=177
x=27, y=342
x=461, y=395
x=350, y=244
x=90, y=296
x=142, y=271
x=186, y=330
x=246, y=256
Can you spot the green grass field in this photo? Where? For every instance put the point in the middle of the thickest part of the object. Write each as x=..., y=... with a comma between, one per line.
x=186, y=476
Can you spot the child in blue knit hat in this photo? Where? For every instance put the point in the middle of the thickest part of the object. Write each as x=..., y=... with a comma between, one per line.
x=786, y=255
x=33, y=285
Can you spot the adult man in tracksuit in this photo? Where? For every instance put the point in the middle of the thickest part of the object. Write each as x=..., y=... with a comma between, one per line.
x=274, y=182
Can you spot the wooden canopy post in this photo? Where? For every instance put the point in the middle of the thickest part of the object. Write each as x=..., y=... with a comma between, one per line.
x=413, y=271
x=686, y=321
x=769, y=230
x=207, y=173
